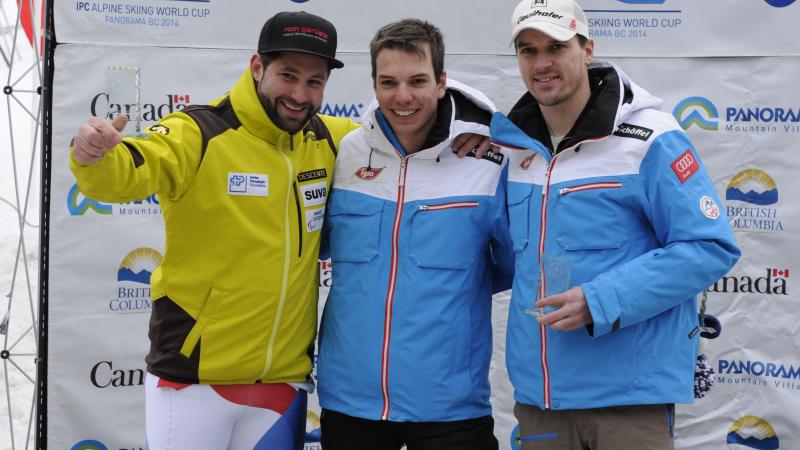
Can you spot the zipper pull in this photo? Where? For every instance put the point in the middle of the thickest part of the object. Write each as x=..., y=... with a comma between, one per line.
x=563, y=191
x=401, y=182
x=422, y=208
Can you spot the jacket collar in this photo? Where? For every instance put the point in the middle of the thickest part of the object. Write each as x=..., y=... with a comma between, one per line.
x=597, y=120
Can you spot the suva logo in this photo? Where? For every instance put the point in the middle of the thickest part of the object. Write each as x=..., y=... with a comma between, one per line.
x=752, y=186
x=780, y=3
x=138, y=265
x=697, y=111
x=78, y=207
x=89, y=444
x=753, y=432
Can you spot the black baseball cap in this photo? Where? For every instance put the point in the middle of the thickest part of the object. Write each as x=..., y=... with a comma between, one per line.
x=299, y=32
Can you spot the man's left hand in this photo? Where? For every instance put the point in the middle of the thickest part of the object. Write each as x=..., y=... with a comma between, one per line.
x=467, y=142
x=572, y=310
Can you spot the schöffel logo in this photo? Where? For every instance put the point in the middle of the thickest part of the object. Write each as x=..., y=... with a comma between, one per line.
x=753, y=432
x=104, y=375
x=749, y=195
x=350, y=110
x=633, y=131
x=757, y=119
x=78, y=205
x=133, y=277
x=780, y=3
x=697, y=111
x=104, y=106
x=771, y=282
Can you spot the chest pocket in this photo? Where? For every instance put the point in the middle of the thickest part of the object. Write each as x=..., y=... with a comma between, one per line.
x=518, y=199
x=355, y=228
x=589, y=216
x=446, y=235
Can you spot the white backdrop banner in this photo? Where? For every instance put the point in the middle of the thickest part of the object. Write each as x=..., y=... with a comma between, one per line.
x=743, y=113
x=621, y=27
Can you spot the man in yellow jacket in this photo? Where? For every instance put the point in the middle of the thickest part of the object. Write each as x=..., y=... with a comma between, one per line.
x=242, y=184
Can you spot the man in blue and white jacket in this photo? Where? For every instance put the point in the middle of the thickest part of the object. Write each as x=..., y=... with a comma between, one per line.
x=419, y=243
x=618, y=203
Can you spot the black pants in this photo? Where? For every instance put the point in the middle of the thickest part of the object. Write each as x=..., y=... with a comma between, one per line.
x=343, y=432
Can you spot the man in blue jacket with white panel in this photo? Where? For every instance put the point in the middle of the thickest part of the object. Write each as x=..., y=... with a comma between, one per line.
x=616, y=227
x=419, y=243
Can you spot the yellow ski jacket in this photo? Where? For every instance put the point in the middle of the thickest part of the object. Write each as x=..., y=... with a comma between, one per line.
x=235, y=296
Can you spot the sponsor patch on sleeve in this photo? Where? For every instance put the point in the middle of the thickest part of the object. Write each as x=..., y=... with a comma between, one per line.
x=685, y=166
x=709, y=207
x=632, y=131
x=160, y=129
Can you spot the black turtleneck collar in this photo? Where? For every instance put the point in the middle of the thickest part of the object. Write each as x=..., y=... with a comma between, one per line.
x=595, y=121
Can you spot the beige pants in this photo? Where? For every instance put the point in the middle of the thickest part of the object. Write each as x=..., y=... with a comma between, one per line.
x=634, y=427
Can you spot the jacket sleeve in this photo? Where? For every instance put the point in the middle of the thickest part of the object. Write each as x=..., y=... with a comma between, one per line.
x=695, y=243
x=163, y=163
x=502, y=253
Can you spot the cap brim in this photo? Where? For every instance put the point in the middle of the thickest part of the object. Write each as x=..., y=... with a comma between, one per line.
x=335, y=63
x=555, y=31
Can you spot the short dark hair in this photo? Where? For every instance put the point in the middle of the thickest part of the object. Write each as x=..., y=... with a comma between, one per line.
x=409, y=35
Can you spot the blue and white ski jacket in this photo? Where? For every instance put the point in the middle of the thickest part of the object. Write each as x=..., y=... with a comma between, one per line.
x=418, y=243
x=628, y=205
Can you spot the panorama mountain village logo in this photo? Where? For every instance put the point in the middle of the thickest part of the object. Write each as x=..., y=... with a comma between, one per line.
x=751, y=197
x=78, y=205
x=702, y=113
x=753, y=432
x=133, y=282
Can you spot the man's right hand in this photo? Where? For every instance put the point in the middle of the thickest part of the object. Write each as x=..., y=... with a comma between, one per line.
x=96, y=137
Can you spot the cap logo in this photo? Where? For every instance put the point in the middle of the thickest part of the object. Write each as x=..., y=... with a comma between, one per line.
x=295, y=30
x=539, y=4
x=538, y=13
x=572, y=24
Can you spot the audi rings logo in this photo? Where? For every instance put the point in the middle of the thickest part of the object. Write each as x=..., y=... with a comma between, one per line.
x=685, y=162
x=697, y=111
x=79, y=207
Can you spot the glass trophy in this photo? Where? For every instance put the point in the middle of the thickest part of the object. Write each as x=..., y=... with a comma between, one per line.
x=123, y=87
x=554, y=273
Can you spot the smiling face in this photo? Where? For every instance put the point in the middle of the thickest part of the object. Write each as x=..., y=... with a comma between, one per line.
x=408, y=93
x=290, y=87
x=554, y=71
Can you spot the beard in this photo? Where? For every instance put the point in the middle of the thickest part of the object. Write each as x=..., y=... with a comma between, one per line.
x=290, y=125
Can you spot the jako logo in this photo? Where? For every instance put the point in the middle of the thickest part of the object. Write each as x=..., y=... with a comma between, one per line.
x=772, y=283
x=89, y=444
x=780, y=3
x=753, y=432
x=343, y=110
x=691, y=111
x=752, y=186
x=79, y=208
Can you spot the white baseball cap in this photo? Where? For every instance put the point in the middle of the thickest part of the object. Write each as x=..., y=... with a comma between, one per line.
x=559, y=19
